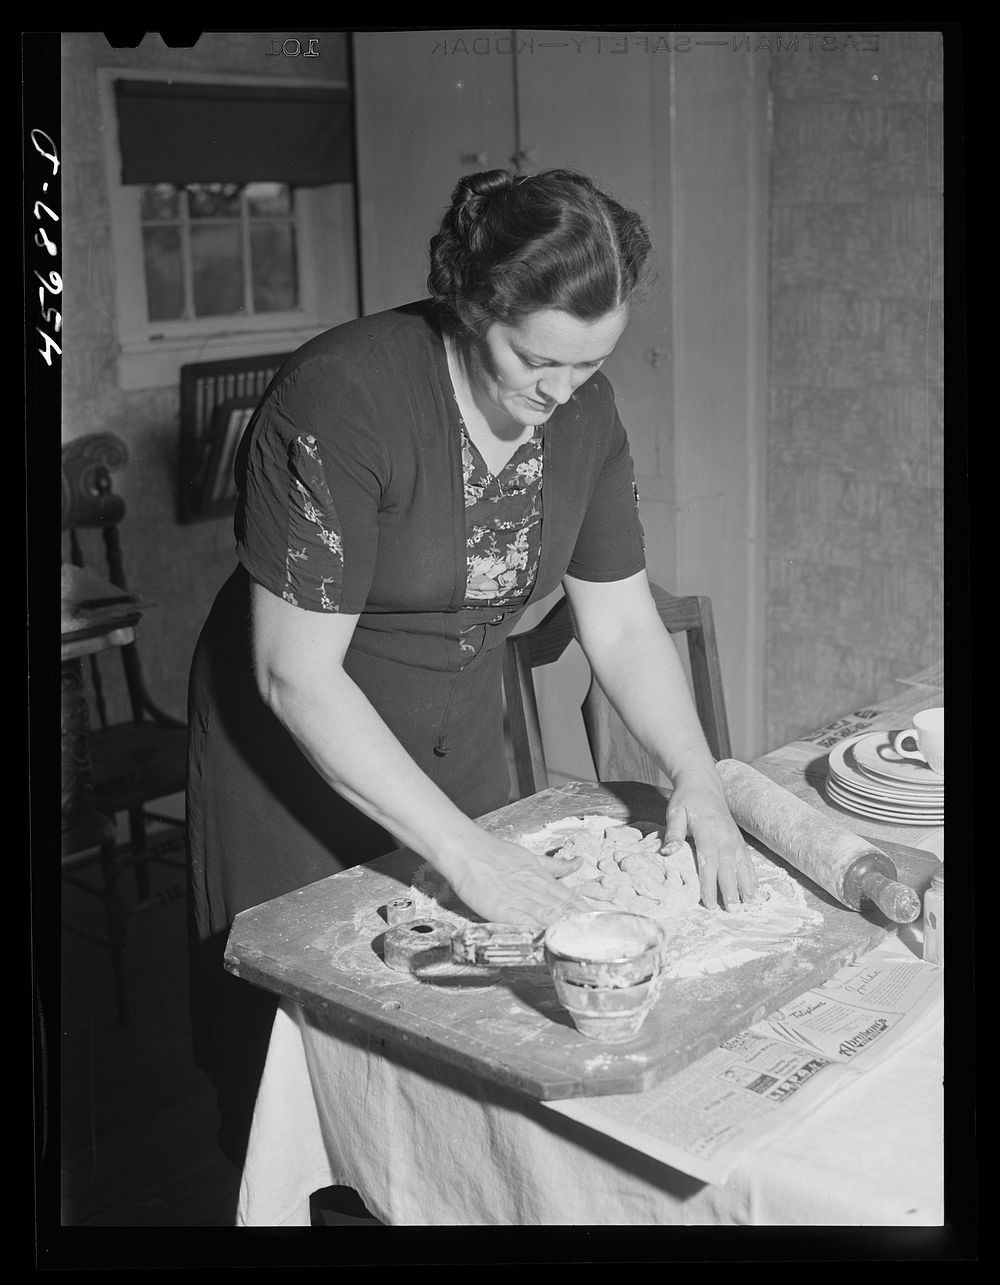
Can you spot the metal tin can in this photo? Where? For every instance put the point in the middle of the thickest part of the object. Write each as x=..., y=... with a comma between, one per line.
x=934, y=920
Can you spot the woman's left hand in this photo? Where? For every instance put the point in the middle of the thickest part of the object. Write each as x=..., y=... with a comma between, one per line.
x=698, y=808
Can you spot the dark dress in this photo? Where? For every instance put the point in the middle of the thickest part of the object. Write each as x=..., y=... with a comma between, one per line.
x=361, y=493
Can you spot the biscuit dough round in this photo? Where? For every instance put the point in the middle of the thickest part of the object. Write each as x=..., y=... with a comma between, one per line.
x=623, y=866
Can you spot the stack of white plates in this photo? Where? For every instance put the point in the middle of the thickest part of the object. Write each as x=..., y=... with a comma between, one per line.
x=865, y=775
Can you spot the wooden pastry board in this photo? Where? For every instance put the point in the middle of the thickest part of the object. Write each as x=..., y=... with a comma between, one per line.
x=320, y=946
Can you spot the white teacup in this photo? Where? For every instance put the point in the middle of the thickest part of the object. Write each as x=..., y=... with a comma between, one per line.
x=927, y=733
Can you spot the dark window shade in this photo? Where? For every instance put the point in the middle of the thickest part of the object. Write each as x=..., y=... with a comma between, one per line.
x=193, y=133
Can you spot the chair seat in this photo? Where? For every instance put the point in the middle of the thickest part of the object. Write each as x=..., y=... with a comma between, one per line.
x=133, y=763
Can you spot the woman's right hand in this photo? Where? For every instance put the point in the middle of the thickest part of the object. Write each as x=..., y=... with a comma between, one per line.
x=508, y=884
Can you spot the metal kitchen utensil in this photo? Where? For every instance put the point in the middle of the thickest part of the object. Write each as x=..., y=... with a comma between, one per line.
x=399, y=911
x=606, y=966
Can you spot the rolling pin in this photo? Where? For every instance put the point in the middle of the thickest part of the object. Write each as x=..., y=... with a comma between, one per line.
x=842, y=863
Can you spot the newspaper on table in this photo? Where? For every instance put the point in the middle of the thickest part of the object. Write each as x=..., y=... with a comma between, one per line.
x=719, y=1109
x=798, y=762
x=853, y=724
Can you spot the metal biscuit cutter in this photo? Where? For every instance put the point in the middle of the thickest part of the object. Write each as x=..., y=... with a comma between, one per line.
x=606, y=966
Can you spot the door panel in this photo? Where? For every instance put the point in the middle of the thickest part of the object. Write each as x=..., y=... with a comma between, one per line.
x=430, y=106
x=582, y=107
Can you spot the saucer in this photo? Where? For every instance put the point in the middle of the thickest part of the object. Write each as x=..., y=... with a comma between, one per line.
x=842, y=765
x=874, y=755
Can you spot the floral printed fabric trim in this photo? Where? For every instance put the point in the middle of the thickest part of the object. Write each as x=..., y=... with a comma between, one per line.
x=503, y=518
x=314, y=557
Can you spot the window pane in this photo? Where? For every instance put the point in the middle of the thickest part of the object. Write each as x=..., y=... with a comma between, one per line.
x=272, y=254
x=268, y=198
x=160, y=201
x=217, y=269
x=214, y=200
x=164, y=275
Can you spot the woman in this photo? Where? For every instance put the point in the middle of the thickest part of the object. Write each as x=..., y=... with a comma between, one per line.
x=410, y=481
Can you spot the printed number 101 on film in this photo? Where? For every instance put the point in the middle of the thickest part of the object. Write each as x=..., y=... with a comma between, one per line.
x=292, y=48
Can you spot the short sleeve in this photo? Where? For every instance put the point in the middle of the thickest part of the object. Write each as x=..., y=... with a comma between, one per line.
x=310, y=484
x=611, y=543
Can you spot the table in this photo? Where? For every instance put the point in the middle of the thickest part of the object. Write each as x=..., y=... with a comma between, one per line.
x=429, y=1144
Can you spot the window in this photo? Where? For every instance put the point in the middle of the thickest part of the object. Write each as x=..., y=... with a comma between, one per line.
x=219, y=249
x=227, y=240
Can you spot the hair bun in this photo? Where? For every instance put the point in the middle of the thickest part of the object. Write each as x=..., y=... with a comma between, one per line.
x=471, y=199
x=471, y=202
x=485, y=184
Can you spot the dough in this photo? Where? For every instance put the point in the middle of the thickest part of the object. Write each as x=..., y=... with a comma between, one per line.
x=623, y=866
x=619, y=872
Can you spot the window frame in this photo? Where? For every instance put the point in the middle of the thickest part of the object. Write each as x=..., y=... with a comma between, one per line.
x=150, y=353
x=277, y=318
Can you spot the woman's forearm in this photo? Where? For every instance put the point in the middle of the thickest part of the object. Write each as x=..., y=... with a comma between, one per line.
x=365, y=763
x=643, y=678
x=298, y=663
x=635, y=661
x=354, y=751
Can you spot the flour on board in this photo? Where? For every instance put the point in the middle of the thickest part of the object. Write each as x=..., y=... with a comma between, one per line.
x=622, y=868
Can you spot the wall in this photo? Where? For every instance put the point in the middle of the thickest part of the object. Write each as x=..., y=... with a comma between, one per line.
x=178, y=567
x=854, y=486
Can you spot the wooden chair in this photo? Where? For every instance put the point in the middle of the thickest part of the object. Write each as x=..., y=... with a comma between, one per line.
x=615, y=753
x=136, y=760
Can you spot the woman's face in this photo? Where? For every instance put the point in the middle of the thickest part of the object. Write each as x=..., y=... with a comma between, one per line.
x=529, y=368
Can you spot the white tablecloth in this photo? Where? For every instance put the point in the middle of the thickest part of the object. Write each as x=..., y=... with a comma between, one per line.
x=427, y=1145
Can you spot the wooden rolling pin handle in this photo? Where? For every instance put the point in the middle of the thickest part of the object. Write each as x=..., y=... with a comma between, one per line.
x=895, y=900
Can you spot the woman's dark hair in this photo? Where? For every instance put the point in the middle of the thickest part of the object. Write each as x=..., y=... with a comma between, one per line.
x=510, y=245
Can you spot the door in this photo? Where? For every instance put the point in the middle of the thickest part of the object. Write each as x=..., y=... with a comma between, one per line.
x=677, y=128
x=430, y=106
